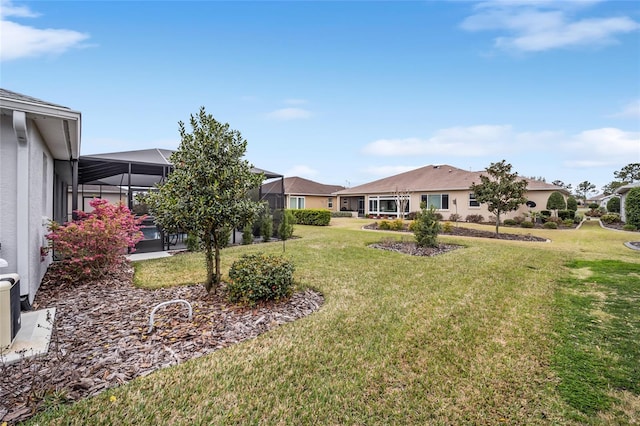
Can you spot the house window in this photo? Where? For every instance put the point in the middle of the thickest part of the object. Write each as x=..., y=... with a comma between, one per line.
x=330, y=202
x=472, y=200
x=373, y=206
x=296, y=202
x=438, y=201
x=386, y=205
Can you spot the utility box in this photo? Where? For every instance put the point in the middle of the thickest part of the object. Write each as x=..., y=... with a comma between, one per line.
x=9, y=309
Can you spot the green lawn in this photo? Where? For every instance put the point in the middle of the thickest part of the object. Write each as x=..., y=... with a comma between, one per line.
x=480, y=335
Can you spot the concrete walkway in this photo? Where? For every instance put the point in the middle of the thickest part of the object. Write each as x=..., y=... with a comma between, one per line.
x=33, y=337
x=146, y=256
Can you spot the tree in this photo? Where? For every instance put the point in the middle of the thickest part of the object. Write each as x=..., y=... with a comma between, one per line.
x=556, y=202
x=611, y=187
x=285, y=230
x=561, y=184
x=584, y=189
x=613, y=205
x=207, y=192
x=629, y=173
x=402, y=201
x=426, y=227
x=502, y=190
x=632, y=207
x=572, y=203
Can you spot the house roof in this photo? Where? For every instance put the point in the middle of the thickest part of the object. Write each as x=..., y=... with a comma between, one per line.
x=147, y=167
x=59, y=126
x=300, y=186
x=434, y=178
x=626, y=188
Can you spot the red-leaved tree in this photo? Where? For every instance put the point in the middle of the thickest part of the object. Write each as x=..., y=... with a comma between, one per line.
x=96, y=243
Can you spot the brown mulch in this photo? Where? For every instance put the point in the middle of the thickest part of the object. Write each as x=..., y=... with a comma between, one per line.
x=469, y=232
x=411, y=248
x=100, y=337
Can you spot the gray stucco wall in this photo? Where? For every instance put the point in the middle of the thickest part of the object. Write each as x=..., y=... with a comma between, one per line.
x=8, y=188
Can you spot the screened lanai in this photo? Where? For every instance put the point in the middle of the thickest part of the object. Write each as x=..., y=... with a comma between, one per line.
x=138, y=171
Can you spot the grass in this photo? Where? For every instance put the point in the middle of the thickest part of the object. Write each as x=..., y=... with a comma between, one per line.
x=474, y=336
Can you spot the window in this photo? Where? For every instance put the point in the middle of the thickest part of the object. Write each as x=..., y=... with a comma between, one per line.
x=373, y=206
x=438, y=201
x=386, y=205
x=472, y=201
x=296, y=202
x=330, y=202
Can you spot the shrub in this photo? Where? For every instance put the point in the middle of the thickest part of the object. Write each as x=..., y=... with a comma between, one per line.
x=593, y=206
x=579, y=217
x=474, y=218
x=447, y=227
x=568, y=223
x=629, y=227
x=613, y=205
x=285, y=230
x=316, y=217
x=550, y=225
x=519, y=219
x=256, y=277
x=439, y=216
x=412, y=226
x=193, y=243
x=556, y=201
x=610, y=218
x=96, y=243
x=455, y=217
x=632, y=207
x=247, y=234
x=527, y=224
x=426, y=228
x=385, y=225
x=397, y=225
x=412, y=215
x=545, y=213
x=510, y=222
x=572, y=203
x=566, y=214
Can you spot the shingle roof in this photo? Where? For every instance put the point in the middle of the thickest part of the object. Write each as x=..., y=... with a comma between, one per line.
x=433, y=178
x=300, y=186
x=8, y=94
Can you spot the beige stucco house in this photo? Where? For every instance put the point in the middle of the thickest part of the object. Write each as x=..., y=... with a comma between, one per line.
x=442, y=186
x=303, y=193
x=622, y=192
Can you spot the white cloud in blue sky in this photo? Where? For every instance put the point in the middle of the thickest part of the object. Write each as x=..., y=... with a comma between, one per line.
x=630, y=110
x=538, y=26
x=301, y=170
x=287, y=114
x=22, y=41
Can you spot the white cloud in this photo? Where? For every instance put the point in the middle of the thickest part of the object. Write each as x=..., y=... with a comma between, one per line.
x=8, y=9
x=539, y=26
x=21, y=41
x=286, y=114
x=602, y=147
x=473, y=141
x=631, y=110
x=301, y=170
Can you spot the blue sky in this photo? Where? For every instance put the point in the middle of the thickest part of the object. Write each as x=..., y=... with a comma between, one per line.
x=346, y=92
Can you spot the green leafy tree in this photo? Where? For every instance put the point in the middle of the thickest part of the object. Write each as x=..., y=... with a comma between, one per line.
x=502, y=190
x=613, y=205
x=632, y=207
x=629, y=173
x=285, y=230
x=584, y=189
x=556, y=202
x=572, y=203
x=611, y=187
x=206, y=194
x=426, y=227
x=561, y=184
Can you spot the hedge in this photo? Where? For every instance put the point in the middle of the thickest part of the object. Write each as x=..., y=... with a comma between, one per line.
x=317, y=217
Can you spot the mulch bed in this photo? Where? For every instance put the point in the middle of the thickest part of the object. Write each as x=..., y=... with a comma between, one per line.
x=469, y=232
x=100, y=337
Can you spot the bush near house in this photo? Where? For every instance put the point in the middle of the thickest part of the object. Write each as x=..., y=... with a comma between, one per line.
x=527, y=224
x=256, y=277
x=566, y=214
x=610, y=218
x=632, y=207
x=613, y=205
x=317, y=217
x=96, y=243
x=474, y=218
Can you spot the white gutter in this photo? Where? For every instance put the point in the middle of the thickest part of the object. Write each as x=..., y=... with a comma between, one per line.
x=22, y=200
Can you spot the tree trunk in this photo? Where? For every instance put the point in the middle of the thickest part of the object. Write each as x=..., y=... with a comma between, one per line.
x=497, y=223
x=208, y=254
x=218, y=274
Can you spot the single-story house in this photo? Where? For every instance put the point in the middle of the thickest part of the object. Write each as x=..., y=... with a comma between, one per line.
x=301, y=193
x=622, y=192
x=39, y=150
x=442, y=186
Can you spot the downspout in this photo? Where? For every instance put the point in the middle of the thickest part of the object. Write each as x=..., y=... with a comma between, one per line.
x=74, y=188
x=22, y=200
x=282, y=192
